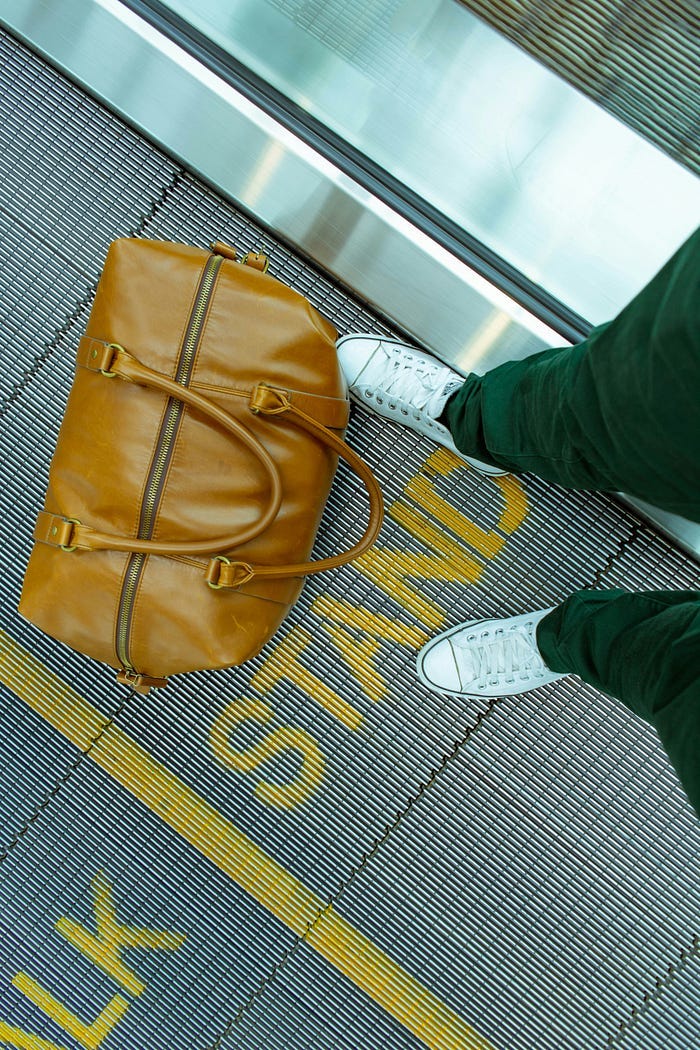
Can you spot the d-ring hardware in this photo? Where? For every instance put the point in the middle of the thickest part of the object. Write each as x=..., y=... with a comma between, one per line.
x=72, y=521
x=118, y=348
x=226, y=561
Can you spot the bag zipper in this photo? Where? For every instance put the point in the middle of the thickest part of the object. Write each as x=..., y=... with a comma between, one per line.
x=155, y=484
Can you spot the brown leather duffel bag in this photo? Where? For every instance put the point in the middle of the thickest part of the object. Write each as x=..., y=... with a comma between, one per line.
x=194, y=460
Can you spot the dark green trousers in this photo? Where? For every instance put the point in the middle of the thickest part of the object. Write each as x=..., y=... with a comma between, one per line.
x=618, y=412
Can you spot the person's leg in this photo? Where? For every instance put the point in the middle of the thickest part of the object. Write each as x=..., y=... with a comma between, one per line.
x=643, y=649
x=618, y=412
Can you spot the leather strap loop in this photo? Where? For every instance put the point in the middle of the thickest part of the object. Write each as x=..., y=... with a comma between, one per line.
x=331, y=412
x=55, y=530
x=95, y=354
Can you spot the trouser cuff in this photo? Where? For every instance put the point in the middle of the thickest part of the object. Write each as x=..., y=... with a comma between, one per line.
x=547, y=635
x=463, y=417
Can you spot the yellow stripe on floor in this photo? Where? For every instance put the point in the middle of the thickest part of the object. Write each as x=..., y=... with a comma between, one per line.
x=217, y=839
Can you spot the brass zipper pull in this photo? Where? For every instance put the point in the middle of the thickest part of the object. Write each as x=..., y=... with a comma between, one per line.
x=140, y=683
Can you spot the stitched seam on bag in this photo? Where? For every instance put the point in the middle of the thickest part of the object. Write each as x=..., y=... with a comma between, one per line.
x=233, y=391
x=221, y=389
x=319, y=321
x=201, y=567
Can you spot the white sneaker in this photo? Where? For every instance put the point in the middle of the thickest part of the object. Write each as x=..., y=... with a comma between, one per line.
x=403, y=384
x=486, y=658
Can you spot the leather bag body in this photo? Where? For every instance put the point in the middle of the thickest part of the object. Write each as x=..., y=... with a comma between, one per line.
x=197, y=450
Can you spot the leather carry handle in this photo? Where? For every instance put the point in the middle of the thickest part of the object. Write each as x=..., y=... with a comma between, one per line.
x=120, y=363
x=271, y=401
x=113, y=360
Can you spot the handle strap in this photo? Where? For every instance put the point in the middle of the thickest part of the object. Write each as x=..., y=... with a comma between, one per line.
x=112, y=360
x=221, y=572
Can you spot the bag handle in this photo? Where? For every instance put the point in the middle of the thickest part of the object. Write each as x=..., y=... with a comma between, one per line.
x=271, y=401
x=112, y=360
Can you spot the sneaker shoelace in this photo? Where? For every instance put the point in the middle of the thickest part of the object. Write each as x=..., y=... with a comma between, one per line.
x=421, y=386
x=496, y=656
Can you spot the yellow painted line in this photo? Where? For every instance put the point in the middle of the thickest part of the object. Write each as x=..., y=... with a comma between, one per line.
x=217, y=839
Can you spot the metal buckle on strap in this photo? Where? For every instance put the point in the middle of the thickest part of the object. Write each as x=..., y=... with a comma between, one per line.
x=117, y=349
x=240, y=572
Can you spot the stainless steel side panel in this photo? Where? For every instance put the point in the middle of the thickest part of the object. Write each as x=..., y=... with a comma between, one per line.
x=251, y=158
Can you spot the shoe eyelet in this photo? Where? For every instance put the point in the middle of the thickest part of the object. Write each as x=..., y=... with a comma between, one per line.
x=404, y=412
x=379, y=400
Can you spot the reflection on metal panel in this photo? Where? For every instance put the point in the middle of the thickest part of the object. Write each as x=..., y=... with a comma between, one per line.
x=506, y=149
x=640, y=61
x=249, y=156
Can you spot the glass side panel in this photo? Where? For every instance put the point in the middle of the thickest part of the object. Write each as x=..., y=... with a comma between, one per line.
x=523, y=162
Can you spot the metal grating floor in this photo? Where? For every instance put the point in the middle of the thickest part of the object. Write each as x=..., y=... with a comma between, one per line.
x=521, y=875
